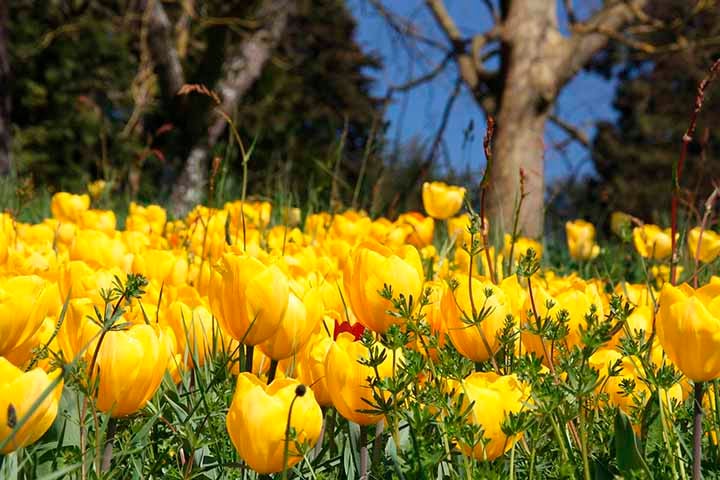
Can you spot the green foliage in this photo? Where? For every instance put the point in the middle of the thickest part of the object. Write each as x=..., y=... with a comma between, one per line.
x=86, y=104
x=655, y=97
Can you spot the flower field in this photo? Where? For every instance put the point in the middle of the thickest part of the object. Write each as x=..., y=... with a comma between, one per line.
x=259, y=341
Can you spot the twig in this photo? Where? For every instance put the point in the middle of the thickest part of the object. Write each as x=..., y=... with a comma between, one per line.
x=678, y=166
x=487, y=147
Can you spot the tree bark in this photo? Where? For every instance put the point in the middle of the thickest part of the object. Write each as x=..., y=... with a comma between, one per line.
x=242, y=70
x=528, y=93
x=536, y=61
x=5, y=97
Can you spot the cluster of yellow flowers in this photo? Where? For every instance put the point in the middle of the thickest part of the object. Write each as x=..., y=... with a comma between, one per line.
x=301, y=297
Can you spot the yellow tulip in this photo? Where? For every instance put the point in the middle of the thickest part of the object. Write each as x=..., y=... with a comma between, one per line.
x=78, y=333
x=709, y=244
x=24, y=302
x=372, y=267
x=475, y=341
x=80, y=280
x=257, y=419
x=310, y=366
x=150, y=219
x=422, y=228
x=688, y=327
x=347, y=378
x=131, y=364
x=100, y=250
x=302, y=317
x=165, y=266
x=96, y=188
x=522, y=245
x=248, y=297
x=578, y=300
x=192, y=324
x=581, y=240
x=494, y=397
x=67, y=207
x=652, y=242
x=630, y=369
x=102, y=220
x=441, y=200
x=619, y=221
x=18, y=392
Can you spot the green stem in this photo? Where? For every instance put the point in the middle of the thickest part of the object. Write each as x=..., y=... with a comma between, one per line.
x=697, y=431
x=583, y=446
x=273, y=371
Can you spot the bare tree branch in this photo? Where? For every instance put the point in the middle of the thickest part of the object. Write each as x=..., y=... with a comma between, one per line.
x=572, y=131
x=594, y=34
x=404, y=27
x=168, y=68
x=570, y=12
x=427, y=77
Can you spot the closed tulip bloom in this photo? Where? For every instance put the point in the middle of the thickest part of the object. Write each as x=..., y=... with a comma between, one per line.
x=422, y=228
x=192, y=325
x=257, y=419
x=150, y=219
x=630, y=369
x=302, y=317
x=372, y=267
x=24, y=302
x=18, y=392
x=441, y=200
x=131, y=364
x=165, y=266
x=581, y=240
x=652, y=242
x=522, y=245
x=100, y=250
x=67, y=207
x=347, y=378
x=102, y=220
x=494, y=397
x=476, y=341
x=577, y=300
x=709, y=244
x=310, y=367
x=619, y=221
x=78, y=332
x=688, y=327
x=248, y=297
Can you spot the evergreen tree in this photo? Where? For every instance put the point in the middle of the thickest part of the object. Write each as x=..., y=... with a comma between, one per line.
x=655, y=97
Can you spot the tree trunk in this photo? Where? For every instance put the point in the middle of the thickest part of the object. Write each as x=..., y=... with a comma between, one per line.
x=529, y=89
x=241, y=72
x=5, y=99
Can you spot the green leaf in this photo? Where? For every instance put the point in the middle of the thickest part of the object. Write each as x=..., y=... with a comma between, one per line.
x=629, y=459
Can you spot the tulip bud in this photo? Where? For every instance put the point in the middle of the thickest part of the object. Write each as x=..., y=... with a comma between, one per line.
x=258, y=417
x=18, y=392
x=688, y=327
x=494, y=397
x=347, y=378
x=473, y=323
x=652, y=242
x=442, y=201
x=131, y=364
x=248, y=298
x=24, y=302
x=581, y=240
x=372, y=268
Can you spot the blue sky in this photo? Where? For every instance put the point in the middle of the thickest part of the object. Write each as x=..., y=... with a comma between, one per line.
x=582, y=102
